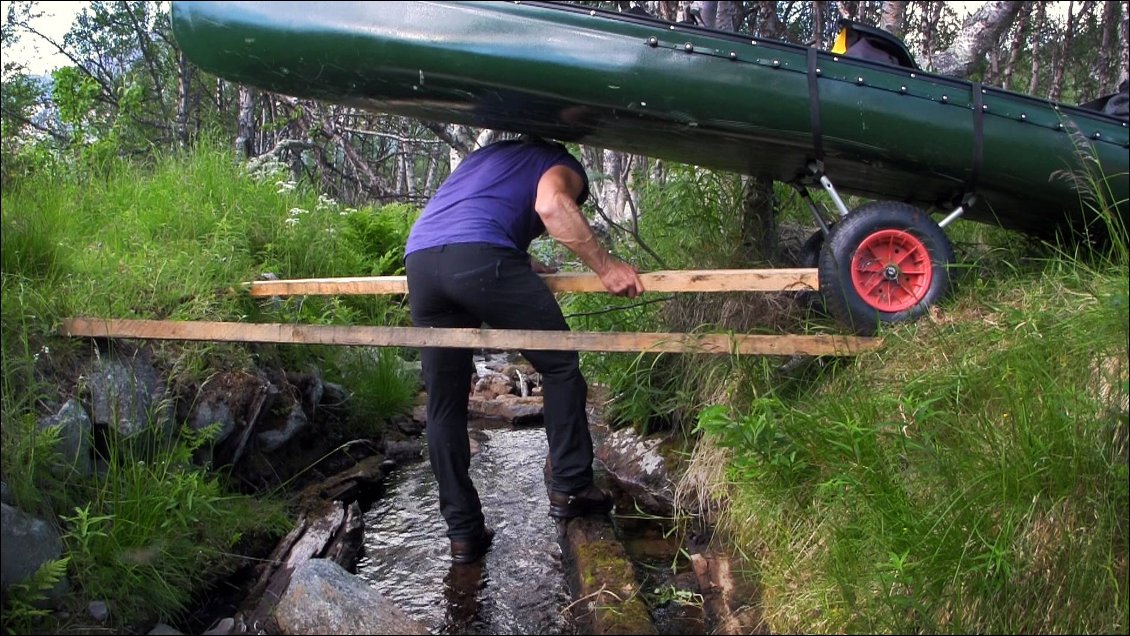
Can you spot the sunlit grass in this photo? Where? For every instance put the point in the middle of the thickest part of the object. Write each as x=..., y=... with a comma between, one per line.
x=970, y=477
x=174, y=238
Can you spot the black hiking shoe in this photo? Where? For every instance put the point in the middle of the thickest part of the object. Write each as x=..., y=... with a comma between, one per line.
x=471, y=549
x=590, y=501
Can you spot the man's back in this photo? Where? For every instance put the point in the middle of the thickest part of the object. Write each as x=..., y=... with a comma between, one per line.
x=489, y=198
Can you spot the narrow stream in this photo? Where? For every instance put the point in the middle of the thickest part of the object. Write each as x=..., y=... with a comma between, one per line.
x=519, y=588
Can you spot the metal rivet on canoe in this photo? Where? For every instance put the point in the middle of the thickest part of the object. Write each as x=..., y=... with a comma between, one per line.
x=902, y=89
x=1059, y=126
x=945, y=98
x=912, y=76
x=592, y=13
x=819, y=72
x=859, y=80
x=1023, y=116
x=672, y=27
x=1097, y=135
x=985, y=107
x=688, y=47
x=653, y=41
x=733, y=55
x=776, y=63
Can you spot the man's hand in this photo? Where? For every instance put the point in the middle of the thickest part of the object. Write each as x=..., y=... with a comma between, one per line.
x=556, y=203
x=621, y=279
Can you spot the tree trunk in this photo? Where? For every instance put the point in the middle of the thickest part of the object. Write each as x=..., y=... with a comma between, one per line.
x=894, y=13
x=1041, y=19
x=245, y=124
x=184, y=85
x=730, y=16
x=615, y=194
x=979, y=32
x=818, y=23
x=768, y=22
x=758, y=211
x=1102, y=70
x=1064, y=54
x=1023, y=18
x=933, y=15
x=1123, y=44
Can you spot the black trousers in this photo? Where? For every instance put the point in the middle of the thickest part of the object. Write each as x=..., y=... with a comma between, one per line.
x=469, y=285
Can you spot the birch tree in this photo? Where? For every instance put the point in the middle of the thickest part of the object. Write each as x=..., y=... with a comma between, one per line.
x=979, y=33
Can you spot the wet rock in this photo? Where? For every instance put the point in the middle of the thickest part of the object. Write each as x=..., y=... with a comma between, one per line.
x=639, y=466
x=730, y=601
x=408, y=425
x=604, y=580
x=27, y=543
x=492, y=386
x=222, y=627
x=514, y=410
x=161, y=629
x=404, y=452
x=323, y=598
x=360, y=482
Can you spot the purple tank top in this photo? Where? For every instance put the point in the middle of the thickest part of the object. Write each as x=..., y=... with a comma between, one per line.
x=489, y=198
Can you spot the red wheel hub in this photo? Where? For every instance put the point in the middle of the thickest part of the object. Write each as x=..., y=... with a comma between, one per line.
x=891, y=270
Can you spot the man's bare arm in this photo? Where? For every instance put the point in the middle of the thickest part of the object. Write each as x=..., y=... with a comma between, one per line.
x=556, y=204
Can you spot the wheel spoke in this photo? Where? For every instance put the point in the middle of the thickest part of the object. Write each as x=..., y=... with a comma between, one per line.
x=910, y=291
x=910, y=274
x=913, y=254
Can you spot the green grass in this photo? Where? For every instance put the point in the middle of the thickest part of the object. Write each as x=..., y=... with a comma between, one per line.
x=971, y=477
x=173, y=238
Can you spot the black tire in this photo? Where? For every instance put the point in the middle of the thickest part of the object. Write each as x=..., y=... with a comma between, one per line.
x=810, y=250
x=885, y=262
x=811, y=302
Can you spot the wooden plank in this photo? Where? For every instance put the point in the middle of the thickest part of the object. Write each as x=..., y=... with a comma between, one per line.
x=706, y=280
x=505, y=339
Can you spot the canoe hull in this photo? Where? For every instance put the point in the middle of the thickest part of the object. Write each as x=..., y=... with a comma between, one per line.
x=674, y=92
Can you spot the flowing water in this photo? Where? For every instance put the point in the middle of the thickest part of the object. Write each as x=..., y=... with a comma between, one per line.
x=520, y=587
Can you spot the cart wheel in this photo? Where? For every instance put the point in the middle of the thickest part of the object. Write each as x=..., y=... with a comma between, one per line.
x=885, y=262
x=810, y=250
x=811, y=302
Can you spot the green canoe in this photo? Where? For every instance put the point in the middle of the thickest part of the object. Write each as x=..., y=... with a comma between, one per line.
x=720, y=100
x=669, y=91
